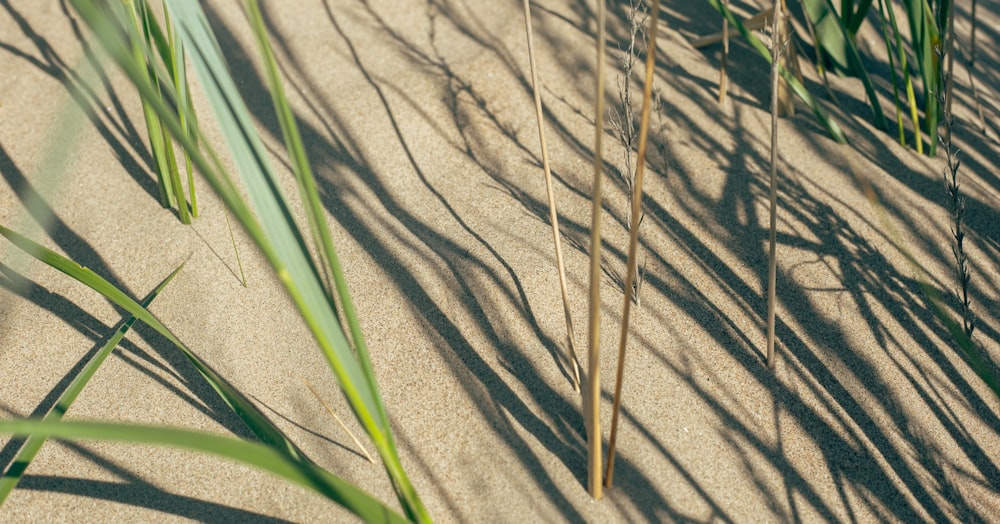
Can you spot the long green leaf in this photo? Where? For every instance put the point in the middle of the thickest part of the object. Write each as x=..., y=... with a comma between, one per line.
x=276, y=233
x=310, y=196
x=800, y=90
x=34, y=443
x=258, y=455
x=251, y=416
x=837, y=42
x=291, y=259
x=926, y=38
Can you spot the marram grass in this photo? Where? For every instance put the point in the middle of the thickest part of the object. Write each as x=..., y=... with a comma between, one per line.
x=271, y=227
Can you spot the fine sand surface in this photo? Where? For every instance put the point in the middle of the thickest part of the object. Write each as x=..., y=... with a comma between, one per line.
x=419, y=122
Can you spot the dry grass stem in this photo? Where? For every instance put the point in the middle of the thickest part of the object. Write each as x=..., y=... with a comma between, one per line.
x=772, y=263
x=339, y=421
x=786, y=57
x=631, y=270
x=592, y=394
x=723, y=78
x=553, y=215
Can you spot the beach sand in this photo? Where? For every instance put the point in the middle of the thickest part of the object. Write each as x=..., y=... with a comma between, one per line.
x=419, y=121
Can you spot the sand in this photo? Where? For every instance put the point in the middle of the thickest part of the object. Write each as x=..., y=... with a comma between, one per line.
x=419, y=122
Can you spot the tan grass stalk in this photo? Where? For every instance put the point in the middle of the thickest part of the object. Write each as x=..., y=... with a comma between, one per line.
x=772, y=266
x=631, y=269
x=723, y=78
x=787, y=59
x=592, y=393
x=574, y=361
x=339, y=421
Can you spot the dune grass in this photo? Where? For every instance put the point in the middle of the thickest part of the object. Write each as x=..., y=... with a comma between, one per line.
x=275, y=233
x=305, y=259
x=777, y=48
x=163, y=56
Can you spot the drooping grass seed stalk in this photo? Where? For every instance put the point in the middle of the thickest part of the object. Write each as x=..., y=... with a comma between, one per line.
x=574, y=361
x=592, y=392
x=631, y=261
x=772, y=260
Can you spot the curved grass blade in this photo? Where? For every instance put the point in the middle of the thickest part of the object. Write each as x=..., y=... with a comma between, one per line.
x=255, y=454
x=329, y=258
x=820, y=113
x=251, y=416
x=30, y=448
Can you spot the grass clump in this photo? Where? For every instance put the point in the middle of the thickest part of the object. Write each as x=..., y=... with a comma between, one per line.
x=267, y=218
x=163, y=56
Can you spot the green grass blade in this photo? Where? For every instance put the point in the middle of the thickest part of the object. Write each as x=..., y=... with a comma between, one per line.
x=304, y=177
x=800, y=90
x=329, y=259
x=853, y=24
x=925, y=38
x=258, y=455
x=289, y=255
x=154, y=129
x=310, y=196
x=30, y=448
x=907, y=79
x=185, y=108
x=892, y=68
x=275, y=233
x=251, y=416
x=838, y=43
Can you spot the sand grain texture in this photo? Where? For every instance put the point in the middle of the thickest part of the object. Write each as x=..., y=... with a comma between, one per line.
x=419, y=122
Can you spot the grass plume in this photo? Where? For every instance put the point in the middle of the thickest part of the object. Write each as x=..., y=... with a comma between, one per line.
x=631, y=263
